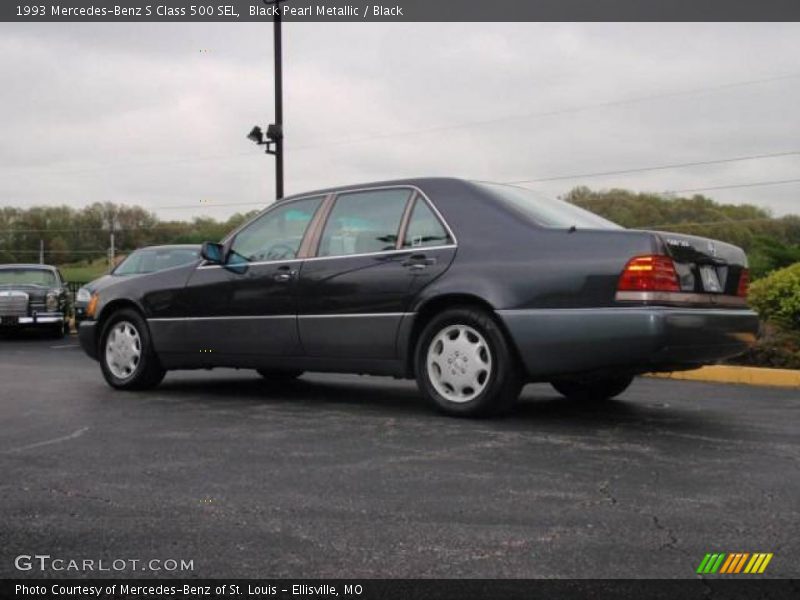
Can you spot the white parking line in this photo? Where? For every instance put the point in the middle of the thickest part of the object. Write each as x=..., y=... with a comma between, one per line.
x=65, y=346
x=64, y=438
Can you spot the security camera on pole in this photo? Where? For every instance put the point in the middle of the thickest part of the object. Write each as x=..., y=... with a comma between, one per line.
x=274, y=136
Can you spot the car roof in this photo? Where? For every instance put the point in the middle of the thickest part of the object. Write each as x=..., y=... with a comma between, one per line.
x=413, y=181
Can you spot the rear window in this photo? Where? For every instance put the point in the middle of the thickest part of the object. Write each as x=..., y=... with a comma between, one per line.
x=545, y=211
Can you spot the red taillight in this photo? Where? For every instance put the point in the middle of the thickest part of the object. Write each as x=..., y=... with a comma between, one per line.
x=744, y=283
x=649, y=274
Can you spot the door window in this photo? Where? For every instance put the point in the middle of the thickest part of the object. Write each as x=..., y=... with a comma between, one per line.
x=424, y=228
x=276, y=235
x=364, y=222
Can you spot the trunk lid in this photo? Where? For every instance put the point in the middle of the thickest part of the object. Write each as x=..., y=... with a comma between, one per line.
x=704, y=266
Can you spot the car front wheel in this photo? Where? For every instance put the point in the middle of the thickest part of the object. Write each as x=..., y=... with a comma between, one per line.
x=465, y=366
x=592, y=388
x=126, y=353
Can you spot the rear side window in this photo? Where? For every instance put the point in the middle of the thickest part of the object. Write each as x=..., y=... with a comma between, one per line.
x=364, y=222
x=545, y=211
x=424, y=228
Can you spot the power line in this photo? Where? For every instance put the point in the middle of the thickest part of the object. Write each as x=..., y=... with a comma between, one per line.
x=440, y=128
x=718, y=222
x=157, y=227
x=179, y=206
x=658, y=167
x=46, y=251
x=554, y=112
x=735, y=186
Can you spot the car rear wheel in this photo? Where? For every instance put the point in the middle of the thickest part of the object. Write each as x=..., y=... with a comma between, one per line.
x=279, y=375
x=592, y=388
x=465, y=366
x=126, y=353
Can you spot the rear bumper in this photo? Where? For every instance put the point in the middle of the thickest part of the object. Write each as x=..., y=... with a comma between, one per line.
x=636, y=339
x=87, y=335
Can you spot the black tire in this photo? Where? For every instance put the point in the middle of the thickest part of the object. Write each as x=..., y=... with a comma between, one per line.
x=592, y=388
x=278, y=374
x=504, y=381
x=148, y=371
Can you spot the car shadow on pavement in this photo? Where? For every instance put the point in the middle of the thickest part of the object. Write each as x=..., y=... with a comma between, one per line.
x=539, y=406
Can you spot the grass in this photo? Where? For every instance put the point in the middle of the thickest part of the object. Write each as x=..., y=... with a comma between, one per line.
x=83, y=272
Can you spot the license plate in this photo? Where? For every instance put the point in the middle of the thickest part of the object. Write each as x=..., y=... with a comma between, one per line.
x=710, y=279
x=9, y=320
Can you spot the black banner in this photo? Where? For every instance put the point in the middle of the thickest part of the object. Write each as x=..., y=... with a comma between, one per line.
x=408, y=589
x=399, y=10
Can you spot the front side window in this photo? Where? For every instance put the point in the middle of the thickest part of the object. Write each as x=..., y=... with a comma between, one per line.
x=364, y=222
x=424, y=228
x=275, y=235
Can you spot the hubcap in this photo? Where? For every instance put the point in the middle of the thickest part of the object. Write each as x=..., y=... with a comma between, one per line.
x=123, y=350
x=459, y=363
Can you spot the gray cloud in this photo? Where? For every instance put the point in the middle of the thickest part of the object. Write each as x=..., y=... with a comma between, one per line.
x=156, y=114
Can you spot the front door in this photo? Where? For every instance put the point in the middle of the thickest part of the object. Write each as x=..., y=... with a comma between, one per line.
x=354, y=294
x=248, y=306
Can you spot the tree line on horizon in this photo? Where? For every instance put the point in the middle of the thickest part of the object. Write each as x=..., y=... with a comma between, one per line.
x=73, y=235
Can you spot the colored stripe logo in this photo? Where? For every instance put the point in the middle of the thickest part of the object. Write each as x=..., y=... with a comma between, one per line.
x=734, y=563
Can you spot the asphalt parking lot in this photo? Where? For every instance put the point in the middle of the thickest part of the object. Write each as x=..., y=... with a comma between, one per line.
x=340, y=476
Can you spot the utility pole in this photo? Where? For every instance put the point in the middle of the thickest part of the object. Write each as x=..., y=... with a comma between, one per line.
x=41, y=251
x=274, y=135
x=110, y=220
x=278, y=55
x=112, y=249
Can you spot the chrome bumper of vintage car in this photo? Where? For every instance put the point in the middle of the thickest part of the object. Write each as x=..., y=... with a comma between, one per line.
x=639, y=339
x=36, y=319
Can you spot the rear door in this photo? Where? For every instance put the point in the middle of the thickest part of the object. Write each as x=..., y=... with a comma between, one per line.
x=354, y=293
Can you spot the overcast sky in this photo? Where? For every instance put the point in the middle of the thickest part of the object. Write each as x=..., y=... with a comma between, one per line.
x=156, y=114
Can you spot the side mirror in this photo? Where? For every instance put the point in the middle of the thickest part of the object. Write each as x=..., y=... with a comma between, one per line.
x=212, y=252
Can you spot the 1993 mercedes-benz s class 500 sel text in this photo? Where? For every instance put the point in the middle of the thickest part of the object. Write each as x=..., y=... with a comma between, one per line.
x=472, y=288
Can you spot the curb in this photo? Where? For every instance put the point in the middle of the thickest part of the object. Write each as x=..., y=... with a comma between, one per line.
x=733, y=374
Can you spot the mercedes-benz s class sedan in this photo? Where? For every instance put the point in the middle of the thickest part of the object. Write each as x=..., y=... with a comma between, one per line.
x=472, y=288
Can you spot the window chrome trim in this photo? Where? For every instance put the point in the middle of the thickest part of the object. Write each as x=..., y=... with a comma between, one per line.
x=334, y=195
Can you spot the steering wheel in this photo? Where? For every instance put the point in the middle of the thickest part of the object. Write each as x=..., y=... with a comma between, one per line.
x=279, y=251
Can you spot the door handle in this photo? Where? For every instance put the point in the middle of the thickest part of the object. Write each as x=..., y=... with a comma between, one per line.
x=284, y=274
x=417, y=262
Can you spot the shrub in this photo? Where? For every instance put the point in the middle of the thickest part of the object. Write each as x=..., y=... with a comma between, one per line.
x=776, y=348
x=777, y=297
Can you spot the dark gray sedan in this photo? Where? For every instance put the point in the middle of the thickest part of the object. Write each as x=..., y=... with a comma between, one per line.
x=472, y=288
